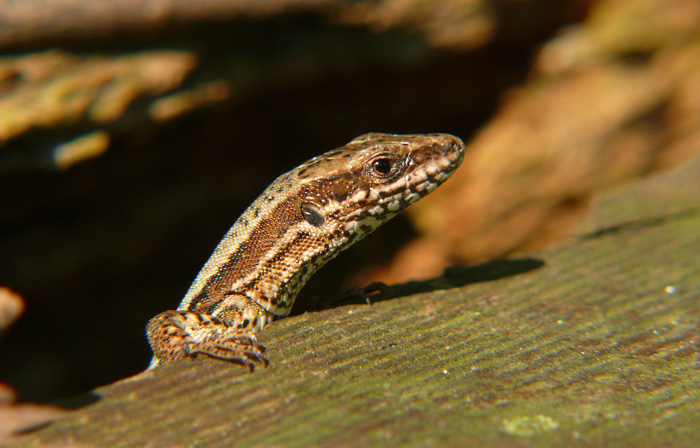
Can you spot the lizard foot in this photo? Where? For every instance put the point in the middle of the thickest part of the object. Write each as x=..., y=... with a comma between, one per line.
x=181, y=334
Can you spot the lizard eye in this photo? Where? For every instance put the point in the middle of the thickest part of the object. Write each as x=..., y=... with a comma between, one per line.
x=382, y=166
x=385, y=166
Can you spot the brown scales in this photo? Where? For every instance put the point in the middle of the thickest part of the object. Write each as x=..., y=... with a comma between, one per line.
x=302, y=220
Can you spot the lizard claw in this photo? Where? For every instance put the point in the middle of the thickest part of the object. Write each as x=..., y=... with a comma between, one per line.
x=240, y=348
x=181, y=334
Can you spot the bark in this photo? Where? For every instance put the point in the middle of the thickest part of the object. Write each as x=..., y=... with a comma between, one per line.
x=32, y=22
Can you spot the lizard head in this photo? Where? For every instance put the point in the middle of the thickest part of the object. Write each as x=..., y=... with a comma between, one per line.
x=357, y=187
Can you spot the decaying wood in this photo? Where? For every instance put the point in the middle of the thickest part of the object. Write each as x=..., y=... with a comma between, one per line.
x=11, y=307
x=461, y=23
x=613, y=98
x=32, y=21
x=42, y=93
x=594, y=343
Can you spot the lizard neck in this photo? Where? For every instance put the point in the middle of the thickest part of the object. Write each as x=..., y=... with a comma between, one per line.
x=262, y=255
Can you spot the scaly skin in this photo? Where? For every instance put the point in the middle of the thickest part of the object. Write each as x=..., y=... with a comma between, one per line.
x=302, y=220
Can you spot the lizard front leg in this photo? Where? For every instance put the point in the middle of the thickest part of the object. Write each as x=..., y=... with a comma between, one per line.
x=228, y=335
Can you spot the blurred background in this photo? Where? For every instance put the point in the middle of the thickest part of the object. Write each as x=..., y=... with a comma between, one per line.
x=134, y=133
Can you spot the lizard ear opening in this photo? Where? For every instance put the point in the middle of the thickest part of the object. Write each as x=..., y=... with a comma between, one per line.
x=312, y=214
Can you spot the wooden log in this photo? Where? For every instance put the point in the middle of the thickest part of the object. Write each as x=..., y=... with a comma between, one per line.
x=594, y=343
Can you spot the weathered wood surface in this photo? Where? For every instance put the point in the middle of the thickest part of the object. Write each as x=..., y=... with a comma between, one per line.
x=594, y=343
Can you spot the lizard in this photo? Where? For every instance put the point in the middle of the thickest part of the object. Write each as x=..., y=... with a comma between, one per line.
x=301, y=221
